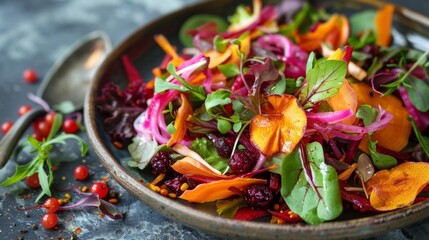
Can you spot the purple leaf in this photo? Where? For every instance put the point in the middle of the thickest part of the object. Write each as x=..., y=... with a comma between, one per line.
x=92, y=200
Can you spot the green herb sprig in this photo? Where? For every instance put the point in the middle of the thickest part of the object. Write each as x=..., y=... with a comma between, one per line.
x=41, y=161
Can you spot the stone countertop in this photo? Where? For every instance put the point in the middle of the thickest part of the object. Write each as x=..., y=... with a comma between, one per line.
x=33, y=34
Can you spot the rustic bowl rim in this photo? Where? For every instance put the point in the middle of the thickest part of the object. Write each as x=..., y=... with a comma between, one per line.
x=356, y=228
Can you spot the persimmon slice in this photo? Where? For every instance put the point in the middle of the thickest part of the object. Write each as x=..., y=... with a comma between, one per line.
x=397, y=187
x=280, y=127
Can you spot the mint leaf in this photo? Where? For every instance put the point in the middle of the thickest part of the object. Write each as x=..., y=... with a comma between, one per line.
x=418, y=91
x=323, y=81
x=217, y=98
x=369, y=115
x=161, y=86
x=229, y=70
x=223, y=126
x=206, y=149
x=309, y=186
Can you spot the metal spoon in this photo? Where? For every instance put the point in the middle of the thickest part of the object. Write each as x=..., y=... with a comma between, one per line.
x=64, y=86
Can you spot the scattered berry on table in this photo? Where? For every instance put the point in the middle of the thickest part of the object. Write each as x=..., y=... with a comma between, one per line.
x=51, y=205
x=6, y=126
x=30, y=75
x=99, y=188
x=70, y=126
x=33, y=181
x=24, y=109
x=49, y=220
x=80, y=172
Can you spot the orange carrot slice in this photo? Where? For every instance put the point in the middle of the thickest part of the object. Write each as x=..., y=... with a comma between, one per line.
x=168, y=49
x=217, y=58
x=209, y=192
x=190, y=166
x=180, y=123
x=397, y=187
x=280, y=127
x=348, y=172
x=185, y=151
x=383, y=24
x=395, y=135
x=344, y=99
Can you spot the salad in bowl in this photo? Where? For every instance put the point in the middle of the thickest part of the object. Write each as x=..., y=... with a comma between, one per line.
x=288, y=113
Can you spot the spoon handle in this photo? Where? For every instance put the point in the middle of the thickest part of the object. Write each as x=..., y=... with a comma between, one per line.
x=9, y=141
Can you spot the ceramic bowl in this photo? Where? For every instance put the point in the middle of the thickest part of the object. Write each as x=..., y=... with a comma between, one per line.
x=410, y=28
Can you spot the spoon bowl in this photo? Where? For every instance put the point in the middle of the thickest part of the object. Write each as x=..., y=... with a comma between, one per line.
x=64, y=86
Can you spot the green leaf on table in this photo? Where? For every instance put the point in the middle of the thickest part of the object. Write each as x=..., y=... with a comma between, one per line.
x=309, y=186
x=206, y=149
x=323, y=81
x=21, y=172
x=44, y=182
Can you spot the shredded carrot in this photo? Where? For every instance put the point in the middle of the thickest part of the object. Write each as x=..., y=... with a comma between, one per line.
x=217, y=58
x=180, y=122
x=185, y=151
x=209, y=192
x=397, y=187
x=383, y=24
x=348, y=172
x=344, y=99
x=190, y=166
x=281, y=126
x=158, y=179
x=168, y=49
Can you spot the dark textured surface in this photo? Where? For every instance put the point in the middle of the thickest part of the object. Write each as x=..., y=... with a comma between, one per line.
x=33, y=34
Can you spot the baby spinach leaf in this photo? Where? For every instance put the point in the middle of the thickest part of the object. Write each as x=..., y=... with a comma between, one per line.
x=217, y=98
x=323, y=81
x=309, y=186
x=229, y=70
x=418, y=91
x=206, y=149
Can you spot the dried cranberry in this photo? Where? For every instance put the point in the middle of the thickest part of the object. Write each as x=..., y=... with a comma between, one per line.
x=258, y=196
x=242, y=161
x=161, y=162
x=224, y=146
x=176, y=183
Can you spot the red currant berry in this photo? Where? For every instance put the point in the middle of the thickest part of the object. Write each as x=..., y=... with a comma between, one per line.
x=81, y=172
x=100, y=188
x=6, y=126
x=33, y=181
x=51, y=205
x=50, y=117
x=30, y=76
x=70, y=126
x=24, y=109
x=43, y=129
x=49, y=220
